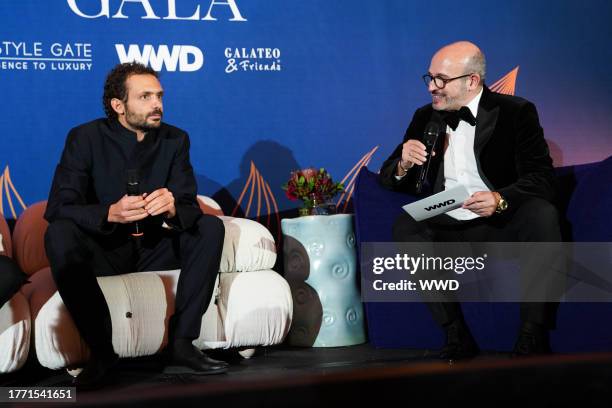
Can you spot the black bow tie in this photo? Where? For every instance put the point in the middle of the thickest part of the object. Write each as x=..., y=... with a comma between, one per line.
x=452, y=118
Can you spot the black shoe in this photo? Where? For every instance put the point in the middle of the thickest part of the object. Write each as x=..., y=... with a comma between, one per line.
x=185, y=358
x=96, y=373
x=532, y=341
x=460, y=345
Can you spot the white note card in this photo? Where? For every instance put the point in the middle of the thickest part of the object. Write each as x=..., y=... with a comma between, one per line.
x=437, y=204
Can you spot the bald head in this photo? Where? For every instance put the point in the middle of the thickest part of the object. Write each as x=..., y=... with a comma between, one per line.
x=462, y=57
x=457, y=71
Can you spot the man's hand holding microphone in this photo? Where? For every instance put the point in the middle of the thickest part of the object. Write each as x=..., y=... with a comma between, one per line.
x=135, y=208
x=413, y=152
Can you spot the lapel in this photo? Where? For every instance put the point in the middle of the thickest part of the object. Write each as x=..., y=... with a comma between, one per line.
x=486, y=119
x=485, y=122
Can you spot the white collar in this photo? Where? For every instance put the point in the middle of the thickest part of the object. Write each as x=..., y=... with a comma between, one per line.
x=473, y=104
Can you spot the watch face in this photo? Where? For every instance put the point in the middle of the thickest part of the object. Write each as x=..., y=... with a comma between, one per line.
x=503, y=204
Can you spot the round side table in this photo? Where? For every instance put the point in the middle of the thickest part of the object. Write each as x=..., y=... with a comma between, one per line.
x=320, y=266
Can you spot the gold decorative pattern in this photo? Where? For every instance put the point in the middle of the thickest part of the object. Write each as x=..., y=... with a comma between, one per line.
x=352, y=174
x=256, y=184
x=6, y=187
x=507, y=84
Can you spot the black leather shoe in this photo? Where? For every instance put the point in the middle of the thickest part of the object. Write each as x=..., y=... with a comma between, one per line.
x=532, y=340
x=460, y=344
x=96, y=373
x=184, y=358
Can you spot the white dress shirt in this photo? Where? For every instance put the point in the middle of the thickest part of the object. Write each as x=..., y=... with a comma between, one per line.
x=460, y=161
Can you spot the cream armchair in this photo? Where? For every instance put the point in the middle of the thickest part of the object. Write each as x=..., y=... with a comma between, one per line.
x=251, y=305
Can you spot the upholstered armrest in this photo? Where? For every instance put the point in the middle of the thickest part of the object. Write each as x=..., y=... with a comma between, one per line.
x=255, y=309
x=248, y=246
x=14, y=333
x=138, y=309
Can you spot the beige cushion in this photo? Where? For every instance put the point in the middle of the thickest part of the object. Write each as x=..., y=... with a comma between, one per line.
x=209, y=206
x=56, y=339
x=248, y=246
x=138, y=309
x=137, y=304
x=14, y=333
x=255, y=309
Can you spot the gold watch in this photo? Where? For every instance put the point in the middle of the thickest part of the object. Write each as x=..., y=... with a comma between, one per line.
x=502, y=204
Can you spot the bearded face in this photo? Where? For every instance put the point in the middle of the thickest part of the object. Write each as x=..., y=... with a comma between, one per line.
x=143, y=110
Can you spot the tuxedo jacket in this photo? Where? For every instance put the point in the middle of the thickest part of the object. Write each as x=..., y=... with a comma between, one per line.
x=512, y=156
x=92, y=175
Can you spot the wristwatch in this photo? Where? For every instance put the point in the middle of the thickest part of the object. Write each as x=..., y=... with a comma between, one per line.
x=502, y=204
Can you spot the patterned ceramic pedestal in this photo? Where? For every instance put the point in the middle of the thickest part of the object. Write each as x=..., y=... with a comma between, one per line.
x=320, y=266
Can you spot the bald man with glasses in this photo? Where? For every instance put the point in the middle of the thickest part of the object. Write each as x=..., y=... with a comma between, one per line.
x=493, y=144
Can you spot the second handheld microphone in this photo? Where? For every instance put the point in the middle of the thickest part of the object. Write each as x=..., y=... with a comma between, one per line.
x=432, y=131
x=133, y=189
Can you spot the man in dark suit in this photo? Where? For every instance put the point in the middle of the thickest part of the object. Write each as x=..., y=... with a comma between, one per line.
x=92, y=230
x=494, y=145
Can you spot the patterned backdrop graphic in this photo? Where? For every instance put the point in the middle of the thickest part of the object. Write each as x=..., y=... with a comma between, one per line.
x=268, y=86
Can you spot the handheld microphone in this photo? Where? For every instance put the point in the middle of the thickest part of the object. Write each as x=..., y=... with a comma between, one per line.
x=432, y=131
x=133, y=189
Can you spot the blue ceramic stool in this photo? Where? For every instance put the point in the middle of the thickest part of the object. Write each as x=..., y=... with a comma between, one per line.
x=320, y=266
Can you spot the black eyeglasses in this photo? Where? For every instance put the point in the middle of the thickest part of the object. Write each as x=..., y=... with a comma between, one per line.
x=440, y=82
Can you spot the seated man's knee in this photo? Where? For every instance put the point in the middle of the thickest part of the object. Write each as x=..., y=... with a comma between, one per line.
x=540, y=210
x=211, y=226
x=541, y=218
x=60, y=230
x=64, y=244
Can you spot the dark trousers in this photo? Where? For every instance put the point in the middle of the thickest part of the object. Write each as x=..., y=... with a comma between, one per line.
x=78, y=257
x=536, y=220
x=11, y=279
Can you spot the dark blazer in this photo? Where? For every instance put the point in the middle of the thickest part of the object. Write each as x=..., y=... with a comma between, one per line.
x=91, y=175
x=511, y=154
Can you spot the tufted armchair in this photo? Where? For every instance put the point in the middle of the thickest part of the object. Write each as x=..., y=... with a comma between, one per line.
x=251, y=305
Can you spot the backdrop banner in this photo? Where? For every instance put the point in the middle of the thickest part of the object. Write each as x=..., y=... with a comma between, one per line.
x=268, y=86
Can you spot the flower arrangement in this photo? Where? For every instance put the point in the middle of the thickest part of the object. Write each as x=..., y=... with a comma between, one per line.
x=312, y=186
